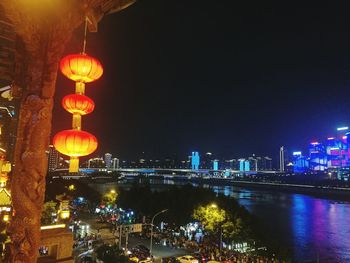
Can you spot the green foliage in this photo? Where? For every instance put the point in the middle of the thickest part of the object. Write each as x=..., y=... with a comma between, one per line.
x=108, y=254
x=180, y=201
x=60, y=186
x=210, y=217
x=234, y=229
x=110, y=198
x=46, y=216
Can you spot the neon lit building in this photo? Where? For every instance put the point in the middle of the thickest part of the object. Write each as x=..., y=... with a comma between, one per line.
x=332, y=153
x=318, y=156
x=300, y=162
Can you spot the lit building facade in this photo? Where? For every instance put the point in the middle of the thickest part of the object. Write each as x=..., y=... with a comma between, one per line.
x=333, y=153
x=54, y=159
x=108, y=160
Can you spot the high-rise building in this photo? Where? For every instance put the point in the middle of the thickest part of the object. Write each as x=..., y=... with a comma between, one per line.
x=96, y=163
x=207, y=160
x=318, y=156
x=282, y=159
x=216, y=165
x=195, y=160
x=244, y=165
x=300, y=163
x=267, y=163
x=115, y=163
x=8, y=105
x=54, y=158
x=108, y=160
x=253, y=162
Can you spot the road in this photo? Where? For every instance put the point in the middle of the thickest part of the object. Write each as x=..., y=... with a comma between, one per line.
x=106, y=233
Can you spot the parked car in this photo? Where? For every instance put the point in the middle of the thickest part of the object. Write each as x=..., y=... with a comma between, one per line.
x=187, y=259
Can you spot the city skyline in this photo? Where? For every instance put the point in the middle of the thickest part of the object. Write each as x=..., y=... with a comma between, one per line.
x=246, y=84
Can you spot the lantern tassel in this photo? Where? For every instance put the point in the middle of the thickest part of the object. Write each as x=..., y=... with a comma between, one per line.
x=74, y=165
x=80, y=87
x=76, y=122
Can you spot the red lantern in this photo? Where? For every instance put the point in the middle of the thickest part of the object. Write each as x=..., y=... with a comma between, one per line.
x=78, y=104
x=81, y=68
x=75, y=143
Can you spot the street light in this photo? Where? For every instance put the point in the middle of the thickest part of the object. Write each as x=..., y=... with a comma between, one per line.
x=150, y=246
x=214, y=206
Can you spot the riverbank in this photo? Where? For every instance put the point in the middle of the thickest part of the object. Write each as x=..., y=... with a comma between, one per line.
x=306, y=226
x=336, y=193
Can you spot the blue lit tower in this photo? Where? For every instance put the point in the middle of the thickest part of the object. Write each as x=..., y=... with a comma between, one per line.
x=215, y=165
x=195, y=160
x=241, y=165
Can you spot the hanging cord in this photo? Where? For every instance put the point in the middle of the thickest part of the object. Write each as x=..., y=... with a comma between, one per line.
x=85, y=33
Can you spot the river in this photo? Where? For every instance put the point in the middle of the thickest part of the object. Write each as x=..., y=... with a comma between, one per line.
x=310, y=227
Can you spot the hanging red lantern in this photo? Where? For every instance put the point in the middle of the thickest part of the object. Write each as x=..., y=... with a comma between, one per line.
x=75, y=143
x=81, y=68
x=78, y=104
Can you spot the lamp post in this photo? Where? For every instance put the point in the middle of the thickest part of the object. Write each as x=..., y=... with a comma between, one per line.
x=214, y=206
x=150, y=246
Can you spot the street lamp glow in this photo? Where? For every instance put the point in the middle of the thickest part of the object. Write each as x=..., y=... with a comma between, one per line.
x=213, y=205
x=150, y=246
x=342, y=128
x=112, y=191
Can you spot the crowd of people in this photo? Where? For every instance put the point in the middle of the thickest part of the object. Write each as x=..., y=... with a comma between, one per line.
x=206, y=249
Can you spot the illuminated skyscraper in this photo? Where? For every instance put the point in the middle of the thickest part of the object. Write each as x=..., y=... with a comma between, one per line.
x=195, y=159
x=244, y=165
x=215, y=165
x=108, y=160
x=54, y=158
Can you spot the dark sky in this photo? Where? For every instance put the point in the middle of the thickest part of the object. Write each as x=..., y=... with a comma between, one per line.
x=230, y=77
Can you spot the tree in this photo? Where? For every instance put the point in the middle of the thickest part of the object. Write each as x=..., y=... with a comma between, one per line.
x=110, y=198
x=43, y=29
x=49, y=209
x=232, y=229
x=210, y=217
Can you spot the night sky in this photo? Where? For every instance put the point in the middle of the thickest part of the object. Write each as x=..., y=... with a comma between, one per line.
x=229, y=77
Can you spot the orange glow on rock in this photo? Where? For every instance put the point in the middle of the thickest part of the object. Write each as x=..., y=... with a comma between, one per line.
x=81, y=68
x=78, y=104
x=75, y=143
